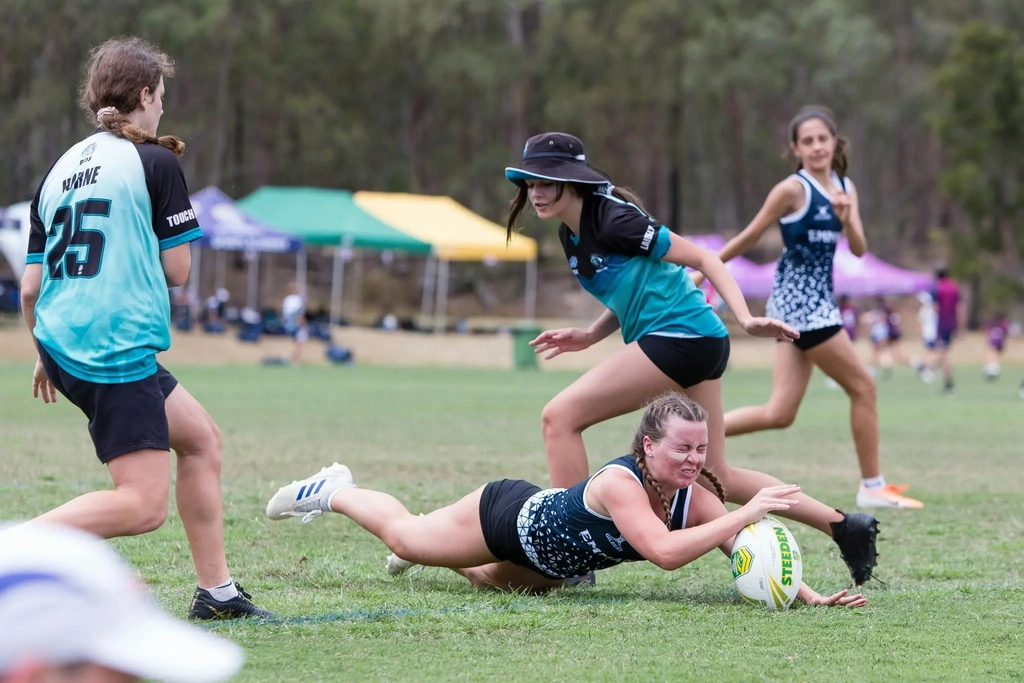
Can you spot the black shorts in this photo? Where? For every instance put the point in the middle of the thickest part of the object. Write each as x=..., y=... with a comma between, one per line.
x=500, y=504
x=123, y=418
x=687, y=361
x=811, y=338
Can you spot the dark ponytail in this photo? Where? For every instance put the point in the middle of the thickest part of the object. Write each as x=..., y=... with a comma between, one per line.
x=841, y=156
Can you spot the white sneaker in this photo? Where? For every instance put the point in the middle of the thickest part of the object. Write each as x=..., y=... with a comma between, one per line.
x=396, y=566
x=889, y=496
x=309, y=497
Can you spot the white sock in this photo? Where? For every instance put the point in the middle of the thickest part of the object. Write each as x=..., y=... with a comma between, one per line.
x=873, y=483
x=325, y=499
x=224, y=592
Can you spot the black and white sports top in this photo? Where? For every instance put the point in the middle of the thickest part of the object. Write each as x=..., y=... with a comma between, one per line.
x=564, y=538
x=803, y=295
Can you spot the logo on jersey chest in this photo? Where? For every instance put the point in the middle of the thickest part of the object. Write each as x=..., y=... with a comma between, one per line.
x=823, y=213
x=87, y=153
x=823, y=236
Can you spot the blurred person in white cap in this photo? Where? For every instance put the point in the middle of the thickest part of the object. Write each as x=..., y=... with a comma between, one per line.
x=72, y=610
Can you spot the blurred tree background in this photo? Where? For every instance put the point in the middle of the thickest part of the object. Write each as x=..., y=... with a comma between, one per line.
x=686, y=102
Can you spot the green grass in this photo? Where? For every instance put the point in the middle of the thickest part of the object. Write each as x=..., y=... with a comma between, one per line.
x=953, y=609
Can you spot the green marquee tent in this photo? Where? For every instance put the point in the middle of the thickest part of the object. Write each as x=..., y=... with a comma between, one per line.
x=325, y=217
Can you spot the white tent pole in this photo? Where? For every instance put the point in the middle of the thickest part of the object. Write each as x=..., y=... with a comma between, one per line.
x=194, y=273
x=266, y=289
x=531, y=291
x=252, y=293
x=338, y=278
x=441, y=307
x=300, y=271
x=429, y=273
x=358, y=270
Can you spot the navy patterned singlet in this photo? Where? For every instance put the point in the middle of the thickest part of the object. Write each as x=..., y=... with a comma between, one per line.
x=803, y=294
x=563, y=537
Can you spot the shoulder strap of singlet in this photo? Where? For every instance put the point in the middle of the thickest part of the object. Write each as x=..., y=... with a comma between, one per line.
x=802, y=211
x=624, y=462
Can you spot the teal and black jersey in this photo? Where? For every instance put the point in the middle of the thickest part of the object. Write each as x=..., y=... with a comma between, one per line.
x=100, y=219
x=617, y=258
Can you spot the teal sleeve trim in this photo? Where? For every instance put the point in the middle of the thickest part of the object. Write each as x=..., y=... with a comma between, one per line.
x=33, y=258
x=662, y=244
x=190, y=236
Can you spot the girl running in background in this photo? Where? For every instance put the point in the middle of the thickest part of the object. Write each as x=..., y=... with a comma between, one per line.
x=674, y=341
x=512, y=535
x=894, y=323
x=111, y=227
x=996, y=332
x=877, y=321
x=814, y=208
x=950, y=311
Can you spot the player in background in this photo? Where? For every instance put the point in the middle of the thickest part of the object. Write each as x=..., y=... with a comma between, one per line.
x=851, y=319
x=674, y=341
x=814, y=208
x=293, y=310
x=512, y=535
x=111, y=227
x=950, y=310
x=997, y=331
x=928, y=317
x=877, y=322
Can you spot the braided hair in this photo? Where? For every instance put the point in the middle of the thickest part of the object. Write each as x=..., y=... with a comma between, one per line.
x=652, y=425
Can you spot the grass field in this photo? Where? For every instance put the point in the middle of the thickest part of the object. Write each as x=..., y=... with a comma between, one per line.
x=953, y=608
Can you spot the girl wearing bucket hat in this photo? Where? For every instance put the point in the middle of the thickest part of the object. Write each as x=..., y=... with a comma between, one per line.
x=674, y=341
x=803, y=296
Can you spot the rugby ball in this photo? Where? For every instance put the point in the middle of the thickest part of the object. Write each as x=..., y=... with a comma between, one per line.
x=766, y=564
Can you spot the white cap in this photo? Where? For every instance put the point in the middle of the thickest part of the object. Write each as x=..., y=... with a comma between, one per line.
x=66, y=598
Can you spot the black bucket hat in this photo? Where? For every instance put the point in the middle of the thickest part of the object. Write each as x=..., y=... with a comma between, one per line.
x=555, y=156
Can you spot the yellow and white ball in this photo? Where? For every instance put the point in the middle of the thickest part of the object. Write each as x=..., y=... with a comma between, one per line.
x=766, y=564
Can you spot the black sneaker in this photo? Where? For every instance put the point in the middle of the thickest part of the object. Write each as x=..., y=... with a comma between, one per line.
x=855, y=535
x=239, y=607
x=589, y=579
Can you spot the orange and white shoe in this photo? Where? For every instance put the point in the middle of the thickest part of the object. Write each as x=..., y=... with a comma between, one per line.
x=890, y=496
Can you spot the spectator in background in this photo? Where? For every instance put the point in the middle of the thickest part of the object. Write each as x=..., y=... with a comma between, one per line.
x=949, y=306
x=293, y=310
x=928, y=317
x=894, y=322
x=71, y=610
x=996, y=332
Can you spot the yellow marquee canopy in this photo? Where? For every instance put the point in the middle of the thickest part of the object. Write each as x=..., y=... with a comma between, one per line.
x=455, y=232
